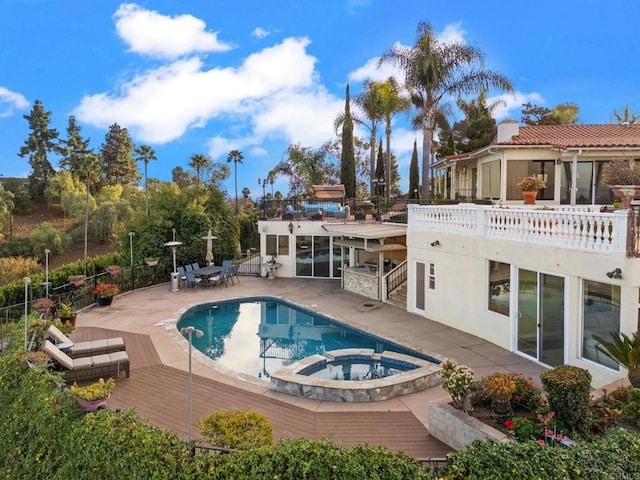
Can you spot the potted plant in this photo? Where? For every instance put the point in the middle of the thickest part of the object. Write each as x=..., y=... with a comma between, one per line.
x=152, y=262
x=36, y=358
x=67, y=313
x=623, y=177
x=44, y=305
x=77, y=280
x=113, y=269
x=94, y=396
x=500, y=386
x=105, y=292
x=530, y=186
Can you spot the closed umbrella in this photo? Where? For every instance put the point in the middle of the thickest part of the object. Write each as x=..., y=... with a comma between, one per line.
x=209, y=238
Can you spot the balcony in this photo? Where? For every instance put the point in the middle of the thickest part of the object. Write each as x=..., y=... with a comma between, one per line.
x=578, y=228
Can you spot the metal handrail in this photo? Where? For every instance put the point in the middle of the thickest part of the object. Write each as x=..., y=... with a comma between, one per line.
x=396, y=277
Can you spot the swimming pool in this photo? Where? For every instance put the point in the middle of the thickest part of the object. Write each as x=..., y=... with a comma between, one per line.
x=258, y=336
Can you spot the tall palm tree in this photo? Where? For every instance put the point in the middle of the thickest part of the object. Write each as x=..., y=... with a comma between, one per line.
x=392, y=102
x=368, y=114
x=198, y=162
x=236, y=157
x=436, y=72
x=144, y=153
x=88, y=165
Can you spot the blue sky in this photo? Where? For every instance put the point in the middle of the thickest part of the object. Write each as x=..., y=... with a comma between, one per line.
x=209, y=76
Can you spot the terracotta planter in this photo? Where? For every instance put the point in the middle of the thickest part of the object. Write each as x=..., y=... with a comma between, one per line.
x=104, y=301
x=92, y=406
x=626, y=193
x=529, y=197
x=71, y=320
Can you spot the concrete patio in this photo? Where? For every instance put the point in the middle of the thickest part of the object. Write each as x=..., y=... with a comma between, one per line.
x=158, y=386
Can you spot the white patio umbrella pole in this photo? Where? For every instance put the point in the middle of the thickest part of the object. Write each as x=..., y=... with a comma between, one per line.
x=199, y=333
x=209, y=238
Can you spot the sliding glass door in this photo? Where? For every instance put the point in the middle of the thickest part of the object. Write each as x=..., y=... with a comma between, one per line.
x=540, y=328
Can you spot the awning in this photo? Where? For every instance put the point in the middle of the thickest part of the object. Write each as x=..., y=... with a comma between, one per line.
x=368, y=245
x=371, y=231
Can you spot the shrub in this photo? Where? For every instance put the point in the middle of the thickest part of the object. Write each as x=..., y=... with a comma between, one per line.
x=238, y=429
x=458, y=382
x=567, y=388
x=610, y=456
x=632, y=408
x=525, y=395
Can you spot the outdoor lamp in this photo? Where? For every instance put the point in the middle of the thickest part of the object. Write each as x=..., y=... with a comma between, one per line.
x=291, y=227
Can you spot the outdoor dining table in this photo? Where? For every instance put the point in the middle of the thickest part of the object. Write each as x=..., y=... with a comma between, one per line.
x=208, y=271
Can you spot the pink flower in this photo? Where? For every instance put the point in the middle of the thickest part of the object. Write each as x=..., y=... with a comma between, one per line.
x=548, y=432
x=541, y=442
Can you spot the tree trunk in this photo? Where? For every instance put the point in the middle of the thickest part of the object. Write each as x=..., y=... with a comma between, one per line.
x=634, y=377
x=387, y=170
x=372, y=171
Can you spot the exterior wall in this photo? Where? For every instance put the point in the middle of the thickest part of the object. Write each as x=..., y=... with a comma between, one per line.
x=363, y=284
x=288, y=268
x=460, y=297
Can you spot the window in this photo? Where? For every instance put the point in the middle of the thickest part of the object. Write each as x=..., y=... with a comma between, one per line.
x=518, y=169
x=432, y=276
x=277, y=245
x=499, y=287
x=601, y=315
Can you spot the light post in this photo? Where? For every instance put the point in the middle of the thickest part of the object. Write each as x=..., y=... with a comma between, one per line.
x=264, y=182
x=46, y=271
x=189, y=331
x=175, y=278
x=131, y=235
x=26, y=281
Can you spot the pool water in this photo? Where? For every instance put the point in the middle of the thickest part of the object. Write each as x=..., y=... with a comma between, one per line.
x=260, y=335
x=355, y=370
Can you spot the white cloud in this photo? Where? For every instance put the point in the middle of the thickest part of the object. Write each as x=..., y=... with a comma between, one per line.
x=150, y=33
x=260, y=32
x=255, y=101
x=10, y=102
x=452, y=33
x=513, y=102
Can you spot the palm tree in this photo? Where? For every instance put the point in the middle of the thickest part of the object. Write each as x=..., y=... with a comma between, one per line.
x=436, y=72
x=625, y=351
x=236, y=157
x=198, y=162
x=368, y=103
x=87, y=166
x=145, y=154
x=391, y=102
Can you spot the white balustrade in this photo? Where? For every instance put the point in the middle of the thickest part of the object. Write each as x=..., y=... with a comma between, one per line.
x=578, y=228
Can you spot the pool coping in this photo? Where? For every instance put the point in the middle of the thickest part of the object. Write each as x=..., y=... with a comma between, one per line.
x=291, y=381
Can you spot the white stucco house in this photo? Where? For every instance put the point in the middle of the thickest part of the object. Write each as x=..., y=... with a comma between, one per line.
x=537, y=280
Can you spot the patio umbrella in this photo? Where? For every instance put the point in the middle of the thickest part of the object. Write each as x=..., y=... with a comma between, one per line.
x=209, y=238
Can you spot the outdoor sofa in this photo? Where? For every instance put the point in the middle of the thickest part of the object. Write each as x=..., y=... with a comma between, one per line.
x=88, y=348
x=108, y=364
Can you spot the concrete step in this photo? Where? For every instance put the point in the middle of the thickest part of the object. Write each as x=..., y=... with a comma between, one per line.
x=398, y=297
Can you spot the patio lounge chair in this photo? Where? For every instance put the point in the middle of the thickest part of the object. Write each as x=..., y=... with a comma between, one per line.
x=88, y=348
x=108, y=364
x=234, y=273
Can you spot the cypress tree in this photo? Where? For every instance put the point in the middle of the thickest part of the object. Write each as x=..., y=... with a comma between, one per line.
x=347, y=157
x=414, y=174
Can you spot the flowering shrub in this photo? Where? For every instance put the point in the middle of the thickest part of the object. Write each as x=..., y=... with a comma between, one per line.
x=526, y=395
x=521, y=429
x=458, y=382
x=531, y=184
x=104, y=290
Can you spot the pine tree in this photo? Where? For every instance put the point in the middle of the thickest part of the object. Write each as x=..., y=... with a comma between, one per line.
x=41, y=141
x=380, y=175
x=414, y=174
x=347, y=160
x=119, y=167
x=74, y=148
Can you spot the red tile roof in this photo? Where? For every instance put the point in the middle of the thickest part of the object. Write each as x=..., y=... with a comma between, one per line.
x=578, y=136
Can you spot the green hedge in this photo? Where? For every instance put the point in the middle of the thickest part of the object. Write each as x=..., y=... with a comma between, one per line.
x=614, y=455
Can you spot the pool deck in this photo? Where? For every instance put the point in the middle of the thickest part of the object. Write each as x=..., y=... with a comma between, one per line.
x=158, y=385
